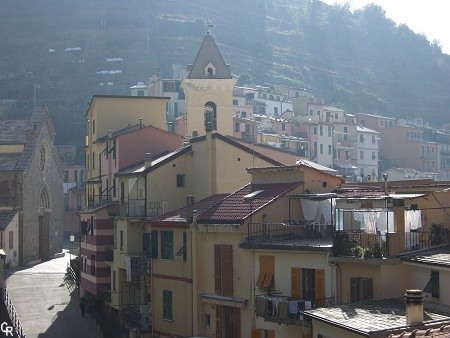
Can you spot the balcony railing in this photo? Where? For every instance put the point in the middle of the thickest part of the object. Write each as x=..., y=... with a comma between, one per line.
x=291, y=233
x=140, y=263
x=136, y=208
x=367, y=245
x=132, y=317
x=97, y=201
x=287, y=310
x=109, y=254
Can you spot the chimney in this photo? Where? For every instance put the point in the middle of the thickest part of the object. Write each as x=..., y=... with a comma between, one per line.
x=414, y=307
x=147, y=160
x=109, y=133
x=194, y=133
x=190, y=208
x=140, y=122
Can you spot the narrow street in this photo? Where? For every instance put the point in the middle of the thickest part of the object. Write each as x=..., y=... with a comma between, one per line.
x=44, y=304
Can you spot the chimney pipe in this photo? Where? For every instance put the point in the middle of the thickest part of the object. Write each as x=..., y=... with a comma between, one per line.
x=140, y=122
x=110, y=133
x=148, y=160
x=414, y=307
x=190, y=208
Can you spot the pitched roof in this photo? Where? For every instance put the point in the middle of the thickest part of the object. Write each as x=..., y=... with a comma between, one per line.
x=13, y=131
x=178, y=217
x=235, y=208
x=6, y=218
x=209, y=53
x=369, y=317
x=434, y=257
x=9, y=161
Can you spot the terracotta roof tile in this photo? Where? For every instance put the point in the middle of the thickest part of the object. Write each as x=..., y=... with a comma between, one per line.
x=234, y=209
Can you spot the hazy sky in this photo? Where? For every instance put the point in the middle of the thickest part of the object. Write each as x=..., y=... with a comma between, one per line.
x=430, y=17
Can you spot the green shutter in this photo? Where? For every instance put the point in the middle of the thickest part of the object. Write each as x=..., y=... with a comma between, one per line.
x=154, y=245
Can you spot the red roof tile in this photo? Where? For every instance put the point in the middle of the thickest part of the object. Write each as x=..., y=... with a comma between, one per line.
x=234, y=209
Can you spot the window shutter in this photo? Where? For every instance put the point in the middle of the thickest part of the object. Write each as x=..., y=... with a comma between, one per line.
x=353, y=290
x=218, y=318
x=320, y=286
x=256, y=333
x=295, y=282
x=270, y=334
x=227, y=270
x=236, y=322
x=217, y=269
x=366, y=289
x=154, y=239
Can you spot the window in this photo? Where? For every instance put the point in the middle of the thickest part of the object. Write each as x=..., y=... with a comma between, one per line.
x=266, y=272
x=275, y=111
x=66, y=176
x=329, y=149
x=283, y=126
x=321, y=130
x=167, y=305
x=373, y=139
x=315, y=148
x=235, y=103
x=329, y=131
x=140, y=93
x=360, y=289
x=310, y=112
x=321, y=148
x=433, y=284
x=223, y=269
x=347, y=156
x=154, y=245
x=315, y=130
x=114, y=280
x=121, y=240
x=93, y=127
x=167, y=244
x=11, y=240
x=361, y=138
x=93, y=160
x=361, y=155
x=373, y=156
x=66, y=202
x=308, y=284
x=336, y=116
x=180, y=181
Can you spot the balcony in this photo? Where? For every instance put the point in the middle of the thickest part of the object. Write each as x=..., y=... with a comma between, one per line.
x=140, y=263
x=287, y=310
x=97, y=201
x=366, y=245
x=290, y=234
x=136, y=208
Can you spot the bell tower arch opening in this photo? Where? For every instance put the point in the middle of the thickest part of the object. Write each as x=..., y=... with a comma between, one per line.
x=210, y=113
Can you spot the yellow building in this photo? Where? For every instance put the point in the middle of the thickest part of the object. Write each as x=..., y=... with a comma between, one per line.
x=206, y=255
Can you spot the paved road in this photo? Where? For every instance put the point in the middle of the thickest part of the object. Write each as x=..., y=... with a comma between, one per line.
x=44, y=304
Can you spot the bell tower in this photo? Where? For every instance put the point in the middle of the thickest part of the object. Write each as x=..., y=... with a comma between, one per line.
x=208, y=92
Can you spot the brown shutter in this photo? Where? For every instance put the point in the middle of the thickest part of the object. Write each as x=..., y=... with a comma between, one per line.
x=366, y=288
x=270, y=334
x=256, y=333
x=217, y=269
x=320, y=287
x=218, y=321
x=353, y=290
x=270, y=272
x=227, y=270
x=295, y=282
x=236, y=322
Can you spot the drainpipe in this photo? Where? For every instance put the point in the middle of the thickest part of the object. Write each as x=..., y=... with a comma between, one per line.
x=191, y=217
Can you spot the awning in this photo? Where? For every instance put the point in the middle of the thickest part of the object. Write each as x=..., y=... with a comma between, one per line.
x=224, y=300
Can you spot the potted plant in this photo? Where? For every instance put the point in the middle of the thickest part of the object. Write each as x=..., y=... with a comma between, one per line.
x=368, y=253
x=358, y=251
x=377, y=251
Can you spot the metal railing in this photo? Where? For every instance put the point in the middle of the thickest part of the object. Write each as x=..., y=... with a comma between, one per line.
x=140, y=263
x=297, y=233
x=13, y=315
x=357, y=243
x=287, y=310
